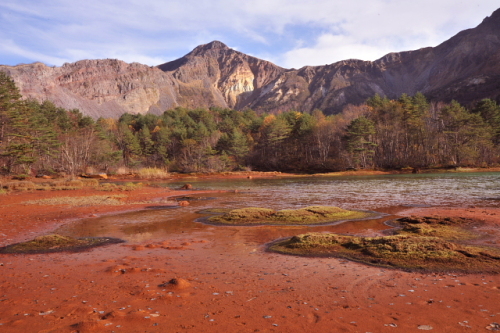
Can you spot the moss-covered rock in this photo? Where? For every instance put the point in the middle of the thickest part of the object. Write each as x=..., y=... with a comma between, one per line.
x=418, y=245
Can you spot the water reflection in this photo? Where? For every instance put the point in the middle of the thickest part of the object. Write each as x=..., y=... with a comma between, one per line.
x=387, y=194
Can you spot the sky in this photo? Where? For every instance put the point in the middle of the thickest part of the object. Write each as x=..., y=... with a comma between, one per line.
x=289, y=33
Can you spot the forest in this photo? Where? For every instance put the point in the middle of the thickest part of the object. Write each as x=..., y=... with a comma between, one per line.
x=408, y=132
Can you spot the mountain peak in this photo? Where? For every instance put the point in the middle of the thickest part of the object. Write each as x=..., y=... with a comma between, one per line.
x=493, y=20
x=201, y=50
x=212, y=46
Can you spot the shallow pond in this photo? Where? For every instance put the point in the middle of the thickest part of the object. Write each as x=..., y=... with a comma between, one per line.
x=387, y=194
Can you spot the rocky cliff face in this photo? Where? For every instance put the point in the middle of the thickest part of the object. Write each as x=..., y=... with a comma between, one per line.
x=227, y=77
x=466, y=68
x=99, y=88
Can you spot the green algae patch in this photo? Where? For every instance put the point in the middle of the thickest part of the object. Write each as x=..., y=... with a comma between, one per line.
x=417, y=246
x=58, y=243
x=304, y=216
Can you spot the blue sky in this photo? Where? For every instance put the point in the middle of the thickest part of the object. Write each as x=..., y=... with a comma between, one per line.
x=289, y=33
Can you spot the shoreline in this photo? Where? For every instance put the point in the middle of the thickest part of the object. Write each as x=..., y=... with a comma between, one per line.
x=274, y=174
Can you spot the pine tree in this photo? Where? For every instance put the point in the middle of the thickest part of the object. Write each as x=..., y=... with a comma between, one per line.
x=359, y=141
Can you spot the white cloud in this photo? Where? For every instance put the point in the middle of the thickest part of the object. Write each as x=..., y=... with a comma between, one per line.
x=389, y=26
x=11, y=48
x=295, y=32
x=331, y=48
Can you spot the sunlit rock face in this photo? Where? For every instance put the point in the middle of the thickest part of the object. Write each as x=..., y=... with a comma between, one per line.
x=216, y=75
x=98, y=88
x=465, y=68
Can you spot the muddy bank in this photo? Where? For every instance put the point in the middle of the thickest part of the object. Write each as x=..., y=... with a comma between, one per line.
x=229, y=282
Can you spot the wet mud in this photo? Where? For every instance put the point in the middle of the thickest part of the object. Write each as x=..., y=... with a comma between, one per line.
x=226, y=279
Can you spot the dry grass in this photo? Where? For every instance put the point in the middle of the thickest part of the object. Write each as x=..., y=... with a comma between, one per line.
x=115, y=187
x=64, y=185
x=303, y=216
x=56, y=185
x=93, y=200
x=152, y=173
x=19, y=186
x=417, y=246
x=89, y=182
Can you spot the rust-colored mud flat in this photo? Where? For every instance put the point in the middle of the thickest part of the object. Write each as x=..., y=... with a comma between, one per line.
x=226, y=283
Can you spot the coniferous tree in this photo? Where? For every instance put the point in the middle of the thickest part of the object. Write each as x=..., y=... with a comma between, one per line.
x=359, y=141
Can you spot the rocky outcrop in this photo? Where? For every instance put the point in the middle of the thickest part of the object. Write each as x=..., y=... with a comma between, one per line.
x=226, y=77
x=465, y=68
x=99, y=88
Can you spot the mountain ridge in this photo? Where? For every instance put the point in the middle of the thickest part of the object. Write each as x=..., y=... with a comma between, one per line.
x=466, y=67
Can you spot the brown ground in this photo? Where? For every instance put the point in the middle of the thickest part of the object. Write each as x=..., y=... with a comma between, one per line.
x=224, y=286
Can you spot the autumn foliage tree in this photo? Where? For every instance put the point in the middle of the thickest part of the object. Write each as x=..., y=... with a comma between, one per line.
x=382, y=133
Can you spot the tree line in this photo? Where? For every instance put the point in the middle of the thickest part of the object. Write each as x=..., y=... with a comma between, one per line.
x=40, y=138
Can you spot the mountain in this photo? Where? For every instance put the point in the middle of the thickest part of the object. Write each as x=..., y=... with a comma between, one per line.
x=466, y=68
x=214, y=74
x=99, y=88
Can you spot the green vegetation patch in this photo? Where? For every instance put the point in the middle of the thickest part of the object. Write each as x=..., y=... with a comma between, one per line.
x=303, y=216
x=417, y=246
x=58, y=243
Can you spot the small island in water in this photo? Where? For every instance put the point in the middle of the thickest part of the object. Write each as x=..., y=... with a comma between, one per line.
x=419, y=244
x=311, y=215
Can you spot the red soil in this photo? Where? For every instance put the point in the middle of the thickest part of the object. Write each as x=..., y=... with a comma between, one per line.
x=125, y=287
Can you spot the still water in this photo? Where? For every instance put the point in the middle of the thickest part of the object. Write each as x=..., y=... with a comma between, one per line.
x=378, y=193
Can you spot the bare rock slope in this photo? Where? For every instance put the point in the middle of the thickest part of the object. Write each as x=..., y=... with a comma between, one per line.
x=466, y=68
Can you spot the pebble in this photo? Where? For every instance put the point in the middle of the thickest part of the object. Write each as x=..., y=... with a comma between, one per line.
x=46, y=312
x=464, y=323
x=493, y=327
x=425, y=327
x=267, y=317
